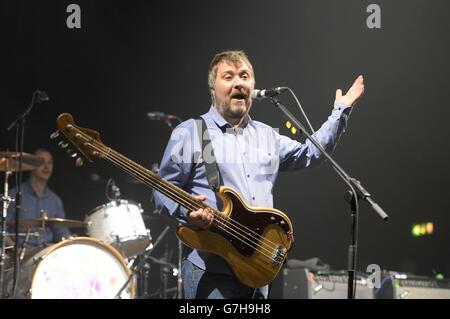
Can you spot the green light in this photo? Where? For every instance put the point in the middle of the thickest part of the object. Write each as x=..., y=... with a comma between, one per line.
x=415, y=230
x=422, y=229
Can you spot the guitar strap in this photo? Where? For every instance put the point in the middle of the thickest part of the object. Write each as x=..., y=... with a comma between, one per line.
x=212, y=169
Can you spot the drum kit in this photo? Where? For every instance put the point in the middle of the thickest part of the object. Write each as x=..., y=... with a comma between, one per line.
x=95, y=266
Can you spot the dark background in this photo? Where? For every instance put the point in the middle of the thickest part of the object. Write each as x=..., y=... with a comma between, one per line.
x=132, y=57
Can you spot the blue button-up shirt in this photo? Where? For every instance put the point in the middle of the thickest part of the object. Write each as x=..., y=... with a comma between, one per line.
x=33, y=207
x=249, y=158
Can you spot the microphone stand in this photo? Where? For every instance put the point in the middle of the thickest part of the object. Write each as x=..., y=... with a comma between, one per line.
x=353, y=196
x=38, y=96
x=180, y=244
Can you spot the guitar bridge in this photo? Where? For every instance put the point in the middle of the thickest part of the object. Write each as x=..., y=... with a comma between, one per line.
x=278, y=255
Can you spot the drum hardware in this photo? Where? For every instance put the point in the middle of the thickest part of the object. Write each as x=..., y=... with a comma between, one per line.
x=36, y=234
x=11, y=162
x=37, y=260
x=119, y=222
x=140, y=261
x=22, y=253
x=118, y=244
x=19, y=164
x=121, y=225
x=51, y=222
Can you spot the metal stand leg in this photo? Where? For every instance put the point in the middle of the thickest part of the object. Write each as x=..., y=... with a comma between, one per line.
x=5, y=204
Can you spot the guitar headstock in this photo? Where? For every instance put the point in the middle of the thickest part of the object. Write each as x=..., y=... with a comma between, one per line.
x=87, y=141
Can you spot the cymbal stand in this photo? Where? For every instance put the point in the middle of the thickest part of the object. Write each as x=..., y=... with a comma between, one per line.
x=37, y=97
x=5, y=203
x=165, y=270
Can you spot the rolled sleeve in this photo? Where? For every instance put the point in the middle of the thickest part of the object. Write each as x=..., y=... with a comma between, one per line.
x=295, y=155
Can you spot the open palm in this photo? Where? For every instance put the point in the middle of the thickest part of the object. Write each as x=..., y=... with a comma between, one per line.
x=353, y=94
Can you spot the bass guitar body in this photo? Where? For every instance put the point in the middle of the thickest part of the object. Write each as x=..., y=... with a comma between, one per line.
x=254, y=241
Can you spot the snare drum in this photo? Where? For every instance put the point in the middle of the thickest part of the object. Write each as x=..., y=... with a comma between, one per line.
x=78, y=268
x=121, y=225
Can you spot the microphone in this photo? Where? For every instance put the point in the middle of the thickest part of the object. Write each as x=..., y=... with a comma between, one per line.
x=41, y=96
x=258, y=95
x=160, y=116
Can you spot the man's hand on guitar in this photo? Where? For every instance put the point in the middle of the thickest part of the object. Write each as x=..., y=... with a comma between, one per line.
x=202, y=217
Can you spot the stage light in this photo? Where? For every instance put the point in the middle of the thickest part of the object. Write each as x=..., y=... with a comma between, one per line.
x=422, y=229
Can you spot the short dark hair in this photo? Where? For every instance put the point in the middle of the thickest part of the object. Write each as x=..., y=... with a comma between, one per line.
x=232, y=55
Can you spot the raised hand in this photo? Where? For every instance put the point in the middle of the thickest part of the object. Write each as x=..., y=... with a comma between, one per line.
x=353, y=94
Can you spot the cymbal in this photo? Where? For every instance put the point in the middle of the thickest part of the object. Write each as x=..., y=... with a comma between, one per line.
x=61, y=222
x=9, y=161
x=50, y=222
x=28, y=223
x=12, y=235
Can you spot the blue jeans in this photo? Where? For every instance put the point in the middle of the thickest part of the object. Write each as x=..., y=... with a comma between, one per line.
x=200, y=284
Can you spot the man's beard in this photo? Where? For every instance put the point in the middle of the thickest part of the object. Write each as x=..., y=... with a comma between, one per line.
x=232, y=113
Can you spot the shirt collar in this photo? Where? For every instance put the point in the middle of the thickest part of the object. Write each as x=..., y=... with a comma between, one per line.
x=30, y=189
x=221, y=122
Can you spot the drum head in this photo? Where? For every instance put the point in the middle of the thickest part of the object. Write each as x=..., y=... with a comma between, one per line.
x=79, y=268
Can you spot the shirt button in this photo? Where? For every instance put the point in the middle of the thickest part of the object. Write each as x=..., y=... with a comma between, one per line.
x=253, y=197
x=248, y=175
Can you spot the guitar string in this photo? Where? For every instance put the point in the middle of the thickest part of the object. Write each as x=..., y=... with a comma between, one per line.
x=216, y=221
x=188, y=197
x=188, y=201
x=220, y=224
x=196, y=204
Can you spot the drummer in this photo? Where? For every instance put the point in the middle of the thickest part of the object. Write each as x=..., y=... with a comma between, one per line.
x=38, y=200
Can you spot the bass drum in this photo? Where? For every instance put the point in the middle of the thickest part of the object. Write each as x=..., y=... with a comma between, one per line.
x=78, y=268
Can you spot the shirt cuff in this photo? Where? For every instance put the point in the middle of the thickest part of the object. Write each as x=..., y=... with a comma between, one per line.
x=341, y=108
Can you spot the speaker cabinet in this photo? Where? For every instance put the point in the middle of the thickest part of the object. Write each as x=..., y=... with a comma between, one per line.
x=304, y=284
x=413, y=287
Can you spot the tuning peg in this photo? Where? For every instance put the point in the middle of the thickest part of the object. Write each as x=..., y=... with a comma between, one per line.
x=79, y=162
x=63, y=144
x=54, y=135
x=71, y=153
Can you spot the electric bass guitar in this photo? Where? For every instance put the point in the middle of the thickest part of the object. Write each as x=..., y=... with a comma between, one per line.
x=254, y=241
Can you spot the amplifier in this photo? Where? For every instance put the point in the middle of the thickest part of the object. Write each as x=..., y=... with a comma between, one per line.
x=303, y=284
x=400, y=286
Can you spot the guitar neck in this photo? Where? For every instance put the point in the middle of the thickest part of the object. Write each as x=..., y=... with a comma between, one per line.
x=149, y=178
